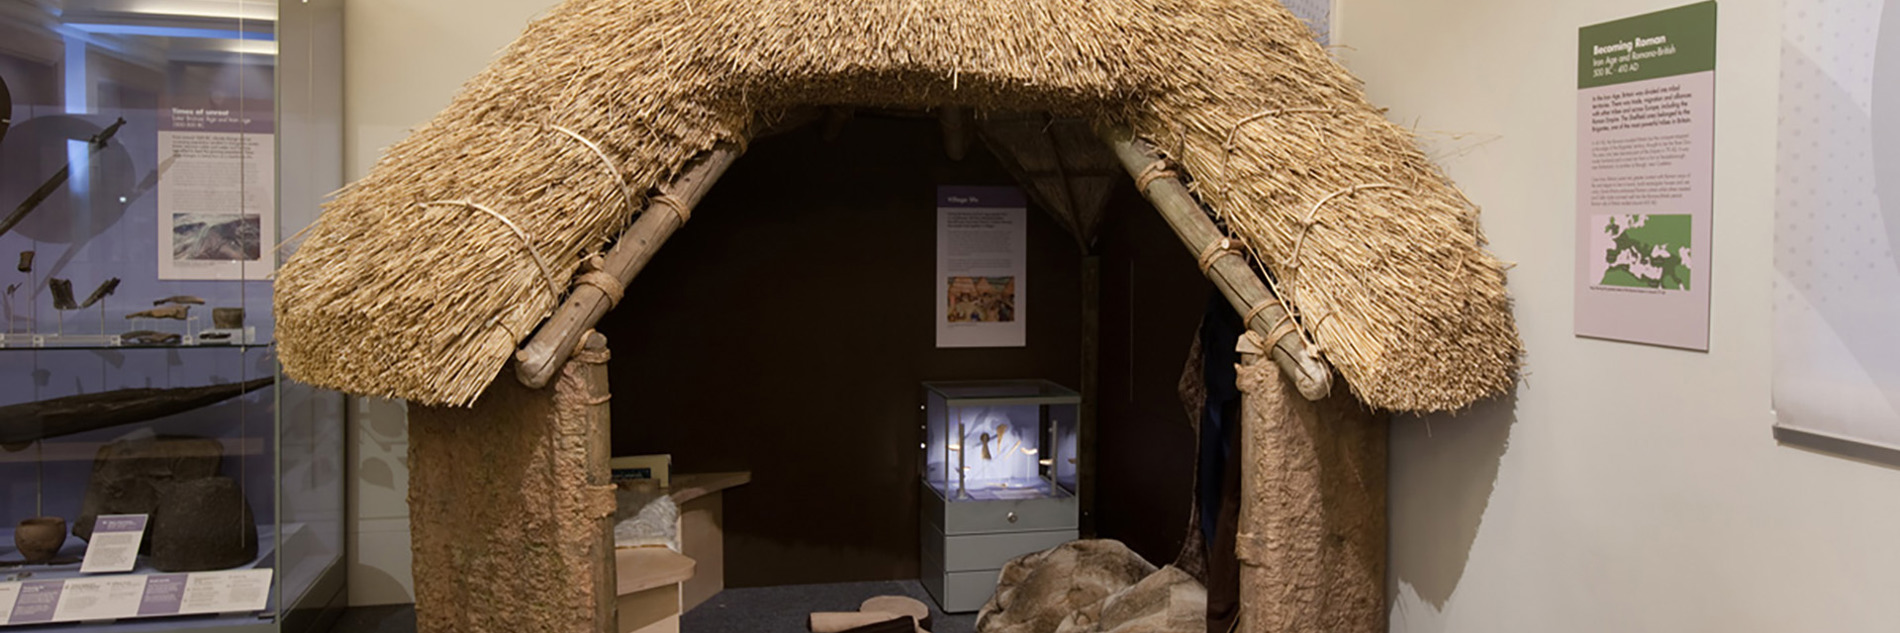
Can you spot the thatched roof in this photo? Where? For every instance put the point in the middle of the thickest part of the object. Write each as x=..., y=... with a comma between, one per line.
x=391, y=295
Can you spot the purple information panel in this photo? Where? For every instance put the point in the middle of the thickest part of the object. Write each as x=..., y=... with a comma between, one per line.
x=37, y=601
x=95, y=598
x=163, y=595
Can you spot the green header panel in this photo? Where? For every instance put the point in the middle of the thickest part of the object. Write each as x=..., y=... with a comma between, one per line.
x=1666, y=43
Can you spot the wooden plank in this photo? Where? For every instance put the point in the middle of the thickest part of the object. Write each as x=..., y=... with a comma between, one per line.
x=638, y=569
x=702, y=531
x=1232, y=274
x=695, y=485
x=655, y=610
x=537, y=361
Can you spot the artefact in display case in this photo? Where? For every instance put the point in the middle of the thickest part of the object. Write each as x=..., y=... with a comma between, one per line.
x=999, y=475
x=156, y=471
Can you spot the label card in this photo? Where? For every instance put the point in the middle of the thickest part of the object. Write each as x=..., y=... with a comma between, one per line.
x=221, y=591
x=9, y=592
x=100, y=598
x=115, y=543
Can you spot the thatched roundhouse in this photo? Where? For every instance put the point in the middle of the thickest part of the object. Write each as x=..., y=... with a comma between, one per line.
x=421, y=280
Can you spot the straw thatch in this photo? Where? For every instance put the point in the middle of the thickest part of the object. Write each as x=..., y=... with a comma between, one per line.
x=389, y=296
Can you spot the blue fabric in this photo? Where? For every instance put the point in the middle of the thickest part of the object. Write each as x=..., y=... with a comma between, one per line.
x=1220, y=332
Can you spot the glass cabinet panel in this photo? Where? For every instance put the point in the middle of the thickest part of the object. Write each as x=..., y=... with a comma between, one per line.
x=150, y=166
x=991, y=440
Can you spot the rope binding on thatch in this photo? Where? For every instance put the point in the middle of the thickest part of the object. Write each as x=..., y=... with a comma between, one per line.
x=527, y=243
x=1311, y=218
x=626, y=191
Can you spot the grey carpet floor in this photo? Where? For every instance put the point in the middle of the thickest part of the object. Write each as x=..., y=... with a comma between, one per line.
x=784, y=609
x=755, y=610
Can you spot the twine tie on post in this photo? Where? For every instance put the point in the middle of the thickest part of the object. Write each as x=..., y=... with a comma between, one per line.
x=594, y=273
x=527, y=244
x=679, y=209
x=1154, y=171
x=1215, y=250
x=608, y=285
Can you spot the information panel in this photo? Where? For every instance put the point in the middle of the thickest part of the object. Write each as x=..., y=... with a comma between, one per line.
x=982, y=267
x=1645, y=177
x=97, y=598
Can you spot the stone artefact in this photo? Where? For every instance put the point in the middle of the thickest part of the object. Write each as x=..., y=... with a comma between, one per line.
x=202, y=524
x=39, y=538
x=127, y=474
x=227, y=318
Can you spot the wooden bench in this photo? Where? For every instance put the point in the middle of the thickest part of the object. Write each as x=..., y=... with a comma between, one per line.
x=654, y=585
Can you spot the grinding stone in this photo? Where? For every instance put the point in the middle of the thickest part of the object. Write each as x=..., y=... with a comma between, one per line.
x=126, y=475
x=201, y=525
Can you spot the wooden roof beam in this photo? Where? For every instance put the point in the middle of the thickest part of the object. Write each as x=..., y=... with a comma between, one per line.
x=538, y=360
x=1229, y=269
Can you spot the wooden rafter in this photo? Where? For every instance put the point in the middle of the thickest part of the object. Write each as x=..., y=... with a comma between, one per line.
x=1226, y=267
x=538, y=360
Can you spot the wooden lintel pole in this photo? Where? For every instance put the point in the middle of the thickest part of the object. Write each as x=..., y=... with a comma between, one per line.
x=1230, y=273
x=538, y=360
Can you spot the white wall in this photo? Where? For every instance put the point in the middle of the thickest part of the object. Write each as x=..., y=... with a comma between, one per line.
x=1625, y=488
x=403, y=61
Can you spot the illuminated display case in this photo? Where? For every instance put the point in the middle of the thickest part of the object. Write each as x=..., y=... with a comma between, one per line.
x=999, y=478
x=154, y=156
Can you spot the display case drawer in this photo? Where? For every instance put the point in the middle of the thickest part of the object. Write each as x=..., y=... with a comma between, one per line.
x=972, y=552
x=961, y=591
x=982, y=517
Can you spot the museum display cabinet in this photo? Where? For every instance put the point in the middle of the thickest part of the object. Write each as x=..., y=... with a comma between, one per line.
x=999, y=478
x=157, y=473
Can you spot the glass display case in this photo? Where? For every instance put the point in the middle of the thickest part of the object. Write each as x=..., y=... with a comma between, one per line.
x=999, y=474
x=156, y=472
